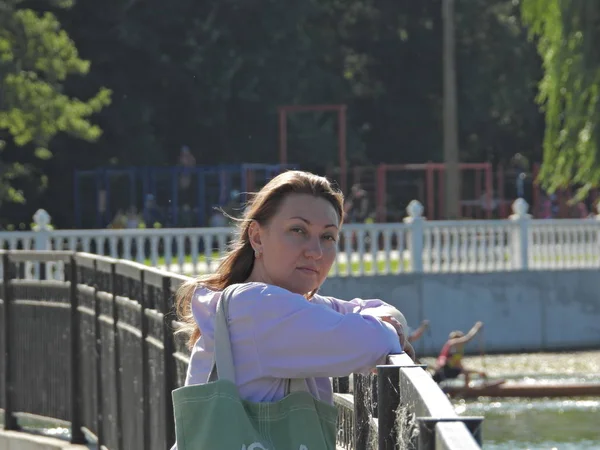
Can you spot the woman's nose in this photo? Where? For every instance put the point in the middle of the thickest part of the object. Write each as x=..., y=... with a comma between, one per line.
x=313, y=249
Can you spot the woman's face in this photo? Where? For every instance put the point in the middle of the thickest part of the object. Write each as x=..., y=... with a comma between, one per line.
x=298, y=245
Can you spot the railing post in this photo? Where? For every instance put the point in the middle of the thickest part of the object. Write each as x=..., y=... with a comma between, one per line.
x=426, y=439
x=10, y=420
x=374, y=396
x=520, y=235
x=169, y=361
x=415, y=220
x=77, y=436
x=145, y=366
x=117, y=354
x=98, y=348
x=361, y=413
x=342, y=385
x=388, y=400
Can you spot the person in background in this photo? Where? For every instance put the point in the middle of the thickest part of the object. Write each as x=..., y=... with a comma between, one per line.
x=187, y=161
x=357, y=205
x=233, y=208
x=217, y=218
x=151, y=214
x=187, y=217
x=416, y=334
x=119, y=221
x=449, y=362
x=133, y=218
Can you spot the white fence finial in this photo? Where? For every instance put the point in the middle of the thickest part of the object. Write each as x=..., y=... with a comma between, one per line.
x=415, y=209
x=41, y=220
x=520, y=208
x=43, y=229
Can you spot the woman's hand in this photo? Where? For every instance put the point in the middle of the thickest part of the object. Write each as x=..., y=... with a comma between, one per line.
x=406, y=346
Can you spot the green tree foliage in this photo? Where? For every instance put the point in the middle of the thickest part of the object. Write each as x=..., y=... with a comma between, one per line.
x=498, y=74
x=36, y=57
x=211, y=75
x=567, y=34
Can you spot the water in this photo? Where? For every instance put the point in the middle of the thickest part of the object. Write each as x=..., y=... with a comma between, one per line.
x=538, y=424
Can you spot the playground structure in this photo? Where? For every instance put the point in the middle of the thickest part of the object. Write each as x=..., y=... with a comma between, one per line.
x=393, y=186
x=188, y=196
x=184, y=196
x=487, y=192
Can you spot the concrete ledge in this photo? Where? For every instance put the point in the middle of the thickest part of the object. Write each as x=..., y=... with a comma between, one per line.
x=14, y=440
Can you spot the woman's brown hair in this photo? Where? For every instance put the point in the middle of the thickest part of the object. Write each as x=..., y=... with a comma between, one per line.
x=237, y=264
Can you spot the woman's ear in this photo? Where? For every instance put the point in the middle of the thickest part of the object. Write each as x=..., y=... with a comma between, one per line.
x=254, y=235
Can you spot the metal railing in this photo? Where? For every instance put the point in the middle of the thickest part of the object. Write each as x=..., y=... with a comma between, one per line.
x=89, y=340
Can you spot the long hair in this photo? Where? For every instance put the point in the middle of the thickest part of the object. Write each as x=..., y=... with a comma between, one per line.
x=237, y=264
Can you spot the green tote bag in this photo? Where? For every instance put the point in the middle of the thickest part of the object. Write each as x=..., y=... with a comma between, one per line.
x=213, y=416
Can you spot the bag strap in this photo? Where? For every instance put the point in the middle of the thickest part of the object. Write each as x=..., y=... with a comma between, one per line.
x=223, y=355
x=295, y=385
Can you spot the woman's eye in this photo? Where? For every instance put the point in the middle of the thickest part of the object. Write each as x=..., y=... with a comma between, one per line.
x=298, y=230
x=329, y=238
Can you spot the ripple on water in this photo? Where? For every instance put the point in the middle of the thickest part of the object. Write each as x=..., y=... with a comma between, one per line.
x=564, y=363
x=538, y=424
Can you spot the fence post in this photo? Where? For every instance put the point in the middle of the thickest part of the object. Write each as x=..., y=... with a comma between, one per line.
x=388, y=400
x=361, y=412
x=342, y=385
x=415, y=221
x=169, y=361
x=77, y=436
x=520, y=235
x=145, y=364
x=98, y=347
x=117, y=354
x=10, y=420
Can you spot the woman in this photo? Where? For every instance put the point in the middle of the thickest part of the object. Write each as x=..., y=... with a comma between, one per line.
x=449, y=362
x=279, y=327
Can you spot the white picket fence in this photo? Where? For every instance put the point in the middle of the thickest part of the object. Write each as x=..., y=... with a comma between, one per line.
x=416, y=245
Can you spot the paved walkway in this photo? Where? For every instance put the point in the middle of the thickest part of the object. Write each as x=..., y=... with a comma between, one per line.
x=14, y=440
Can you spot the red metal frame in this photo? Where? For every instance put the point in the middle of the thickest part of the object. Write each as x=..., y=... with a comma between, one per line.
x=341, y=113
x=430, y=170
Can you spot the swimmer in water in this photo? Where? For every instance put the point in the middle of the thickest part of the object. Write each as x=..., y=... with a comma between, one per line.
x=449, y=362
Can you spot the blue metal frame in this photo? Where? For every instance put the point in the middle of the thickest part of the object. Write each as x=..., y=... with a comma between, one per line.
x=149, y=179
